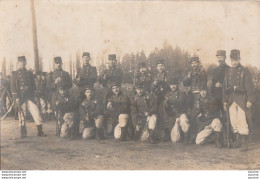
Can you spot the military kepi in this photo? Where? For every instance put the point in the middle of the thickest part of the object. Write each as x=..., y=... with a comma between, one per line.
x=194, y=59
x=161, y=61
x=221, y=53
x=57, y=60
x=21, y=58
x=235, y=54
x=86, y=54
x=112, y=57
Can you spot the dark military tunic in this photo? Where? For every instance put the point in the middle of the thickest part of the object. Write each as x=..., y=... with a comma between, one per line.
x=197, y=81
x=23, y=85
x=160, y=85
x=218, y=77
x=111, y=75
x=176, y=103
x=238, y=86
x=91, y=109
x=145, y=79
x=41, y=87
x=88, y=76
x=65, y=80
x=120, y=104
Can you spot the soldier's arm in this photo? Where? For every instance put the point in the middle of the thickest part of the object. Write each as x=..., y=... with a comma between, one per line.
x=14, y=85
x=93, y=75
x=82, y=112
x=187, y=81
x=203, y=79
x=50, y=82
x=153, y=108
x=224, y=96
x=103, y=79
x=69, y=80
x=249, y=85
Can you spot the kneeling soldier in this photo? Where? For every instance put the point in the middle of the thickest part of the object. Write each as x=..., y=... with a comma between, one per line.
x=23, y=87
x=176, y=109
x=119, y=110
x=208, y=120
x=91, y=113
x=144, y=110
x=67, y=114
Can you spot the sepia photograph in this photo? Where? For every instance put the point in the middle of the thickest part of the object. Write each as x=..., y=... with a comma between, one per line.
x=129, y=85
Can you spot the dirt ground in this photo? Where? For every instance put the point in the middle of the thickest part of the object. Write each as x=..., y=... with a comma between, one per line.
x=54, y=153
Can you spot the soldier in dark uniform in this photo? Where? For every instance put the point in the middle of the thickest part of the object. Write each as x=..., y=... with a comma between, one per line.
x=111, y=74
x=23, y=88
x=67, y=113
x=41, y=92
x=144, y=112
x=238, y=97
x=160, y=87
x=119, y=111
x=58, y=76
x=143, y=76
x=176, y=108
x=5, y=93
x=87, y=75
x=208, y=120
x=217, y=85
x=91, y=112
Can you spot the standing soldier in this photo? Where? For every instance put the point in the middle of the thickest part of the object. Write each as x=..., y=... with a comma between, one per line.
x=143, y=76
x=217, y=84
x=23, y=88
x=111, y=74
x=144, y=111
x=238, y=96
x=41, y=93
x=57, y=77
x=196, y=80
x=68, y=117
x=160, y=87
x=87, y=75
x=176, y=109
x=119, y=111
x=91, y=112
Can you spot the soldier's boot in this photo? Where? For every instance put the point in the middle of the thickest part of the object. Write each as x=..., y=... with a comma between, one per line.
x=186, y=138
x=137, y=135
x=99, y=133
x=244, y=146
x=166, y=136
x=218, y=139
x=123, y=134
x=152, y=139
x=23, y=131
x=73, y=133
x=40, y=132
x=237, y=142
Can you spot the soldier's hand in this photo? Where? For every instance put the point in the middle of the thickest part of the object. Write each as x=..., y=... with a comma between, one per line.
x=57, y=80
x=109, y=106
x=248, y=104
x=17, y=101
x=225, y=106
x=218, y=85
x=57, y=103
x=146, y=113
x=189, y=75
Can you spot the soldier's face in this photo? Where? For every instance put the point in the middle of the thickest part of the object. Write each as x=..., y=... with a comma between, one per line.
x=57, y=66
x=221, y=59
x=173, y=87
x=21, y=64
x=143, y=69
x=235, y=63
x=194, y=64
x=62, y=92
x=160, y=68
x=85, y=60
x=89, y=94
x=139, y=91
x=109, y=64
x=116, y=90
x=203, y=93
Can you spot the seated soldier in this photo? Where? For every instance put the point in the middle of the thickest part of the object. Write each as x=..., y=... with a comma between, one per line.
x=176, y=108
x=208, y=120
x=119, y=109
x=144, y=111
x=91, y=113
x=67, y=114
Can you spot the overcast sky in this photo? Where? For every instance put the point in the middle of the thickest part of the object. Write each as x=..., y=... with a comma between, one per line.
x=105, y=27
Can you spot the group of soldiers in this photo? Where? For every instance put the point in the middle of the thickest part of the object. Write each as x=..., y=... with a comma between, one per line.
x=159, y=109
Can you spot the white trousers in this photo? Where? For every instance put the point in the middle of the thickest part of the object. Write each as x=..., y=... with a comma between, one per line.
x=89, y=132
x=215, y=126
x=238, y=119
x=181, y=124
x=67, y=125
x=34, y=111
